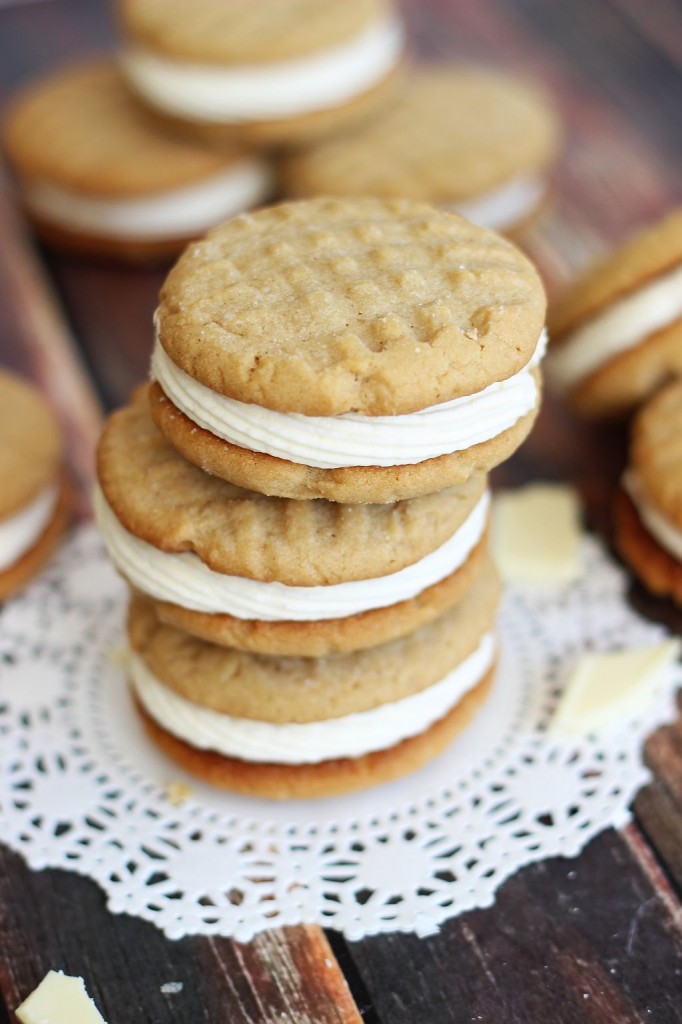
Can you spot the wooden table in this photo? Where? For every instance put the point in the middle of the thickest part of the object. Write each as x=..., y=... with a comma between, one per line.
x=595, y=939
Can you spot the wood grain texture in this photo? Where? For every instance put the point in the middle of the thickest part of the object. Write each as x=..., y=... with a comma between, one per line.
x=549, y=950
x=53, y=920
x=594, y=939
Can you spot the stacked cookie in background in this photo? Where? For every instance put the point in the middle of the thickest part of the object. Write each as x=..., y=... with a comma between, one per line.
x=270, y=73
x=299, y=499
x=472, y=140
x=130, y=159
x=97, y=178
x=34, y=506
x=617, y=349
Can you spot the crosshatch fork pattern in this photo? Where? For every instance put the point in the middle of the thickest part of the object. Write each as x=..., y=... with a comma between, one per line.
x=415, y=308
x=82, y=791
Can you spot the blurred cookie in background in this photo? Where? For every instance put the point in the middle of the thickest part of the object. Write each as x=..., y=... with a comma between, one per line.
x=648, y=509
x=96, y=175
x=466, y=139
x=33, y=497
x=276, y=71
x=616, y=332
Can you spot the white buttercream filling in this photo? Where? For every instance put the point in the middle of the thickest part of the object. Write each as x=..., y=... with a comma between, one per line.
x=506, y=205
x=660, y=528
x=620, y=327
x=330, y=442
x=262, y=92
x=184, y=211
x=20, y=532
x=309, y=742
x=184, y=580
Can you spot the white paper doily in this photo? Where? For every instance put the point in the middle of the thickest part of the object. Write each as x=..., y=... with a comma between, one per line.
x=81, y=789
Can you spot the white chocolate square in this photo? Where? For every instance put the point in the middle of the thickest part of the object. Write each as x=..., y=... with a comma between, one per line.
x=59, y=999
x=536, y=534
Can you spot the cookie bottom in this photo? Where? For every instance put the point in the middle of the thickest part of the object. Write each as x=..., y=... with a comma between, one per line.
x=289, y=131
x=350, y=485
x=329, y=778
x=17, y=575
x=118, y=250
x=658, y=570
x=628, y=379
x=330, y=636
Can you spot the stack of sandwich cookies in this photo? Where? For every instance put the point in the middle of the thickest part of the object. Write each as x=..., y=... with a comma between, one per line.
x=292, y=727
x=275, y=71
x=648, y=509
x=617, y=331
x=33, y=506
x=358, y=350
x=276, y=575
x=96, y=174
x=470, y=140
x=306, y=535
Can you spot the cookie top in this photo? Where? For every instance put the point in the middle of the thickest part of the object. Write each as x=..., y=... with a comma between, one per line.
x=30, y=444
x=652, y=252
x=243, y=533
x=452, y=134
x=244, y=32
x=80, y=130
x=656, y=451
x=329, y=306
x=276, y=689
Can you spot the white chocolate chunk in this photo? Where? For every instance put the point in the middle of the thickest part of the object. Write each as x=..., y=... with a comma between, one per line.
x=59, y=999
x=536, y=534
x=604, y=690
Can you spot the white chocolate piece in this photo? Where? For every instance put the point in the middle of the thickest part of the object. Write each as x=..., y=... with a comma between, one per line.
x=59, y=999
x=536, y=534
x=604, y=690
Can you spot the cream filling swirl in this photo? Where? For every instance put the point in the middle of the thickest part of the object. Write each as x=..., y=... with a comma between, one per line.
x=184, y=211
x=310, y=742
x=618, y=328
x=505, y=206
x=660, y=528
x=20, y=532
x=184, y=580
x=264, y=92
x=331, y=442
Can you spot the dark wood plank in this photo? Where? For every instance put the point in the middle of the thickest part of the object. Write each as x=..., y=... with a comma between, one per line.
x=111, y=310
x=53, y=920
x=549, y=950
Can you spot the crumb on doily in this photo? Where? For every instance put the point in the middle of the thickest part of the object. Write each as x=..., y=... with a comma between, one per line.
x=178, y=791
x=117, y=655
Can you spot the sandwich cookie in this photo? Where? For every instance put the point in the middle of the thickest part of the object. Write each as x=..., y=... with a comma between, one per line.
x=96, y=175
x=277, y=575
x=465, y=139
x=648, y=509
x=272, y=71
x=33, y=502
x=309, y=727
x=358, y=350
x=617, y=331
